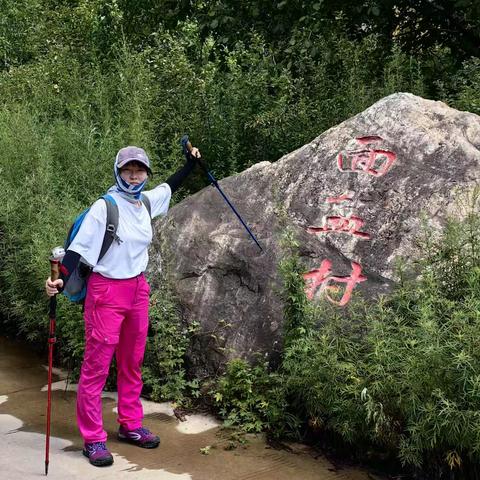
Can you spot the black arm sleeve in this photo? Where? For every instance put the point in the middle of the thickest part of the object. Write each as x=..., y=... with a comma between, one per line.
x=180, y=175
x=68, y=265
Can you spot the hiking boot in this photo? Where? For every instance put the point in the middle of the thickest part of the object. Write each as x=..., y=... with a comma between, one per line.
x=98, y=454
x=141, y=437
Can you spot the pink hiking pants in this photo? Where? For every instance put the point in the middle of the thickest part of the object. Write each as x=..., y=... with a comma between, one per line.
x=116, y=321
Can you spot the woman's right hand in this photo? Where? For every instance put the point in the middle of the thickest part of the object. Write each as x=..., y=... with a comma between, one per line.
x=51, y=287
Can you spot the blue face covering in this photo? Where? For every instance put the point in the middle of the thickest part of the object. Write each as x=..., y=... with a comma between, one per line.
x=128, y=188
x=130, y=192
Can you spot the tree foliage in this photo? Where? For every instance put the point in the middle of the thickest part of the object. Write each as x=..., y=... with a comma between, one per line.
x=416, y=24
x=29, y=28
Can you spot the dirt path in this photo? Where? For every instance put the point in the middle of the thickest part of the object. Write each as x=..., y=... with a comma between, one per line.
x=22, y=424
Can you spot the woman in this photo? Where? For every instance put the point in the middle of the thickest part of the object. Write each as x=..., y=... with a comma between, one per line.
x=117, y=300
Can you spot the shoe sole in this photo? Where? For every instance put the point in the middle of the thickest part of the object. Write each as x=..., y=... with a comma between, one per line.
x=99, y=463
x=138, y=444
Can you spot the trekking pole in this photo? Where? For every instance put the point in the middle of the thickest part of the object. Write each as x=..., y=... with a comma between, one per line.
x=187, y=148
x=56, y=256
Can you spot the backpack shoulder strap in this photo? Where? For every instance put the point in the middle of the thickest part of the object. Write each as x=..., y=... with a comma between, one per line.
x=148, y=205
x=110, y=226
x=74, y=228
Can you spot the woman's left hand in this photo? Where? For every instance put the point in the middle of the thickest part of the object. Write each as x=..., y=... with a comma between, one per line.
x=195, y=153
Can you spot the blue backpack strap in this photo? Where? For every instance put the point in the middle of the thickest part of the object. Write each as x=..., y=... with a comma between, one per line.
x=146, y=201
x=111, y=225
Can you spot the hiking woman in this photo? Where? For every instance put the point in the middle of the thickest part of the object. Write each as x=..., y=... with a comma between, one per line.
x=117, y=300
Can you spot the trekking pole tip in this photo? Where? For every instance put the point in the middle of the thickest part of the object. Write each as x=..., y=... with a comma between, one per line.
x=46, y=468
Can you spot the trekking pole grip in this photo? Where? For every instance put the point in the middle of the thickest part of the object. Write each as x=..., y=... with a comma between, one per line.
x=54, y=269
x=57, y=254
x=187, y=150
x=188, y=147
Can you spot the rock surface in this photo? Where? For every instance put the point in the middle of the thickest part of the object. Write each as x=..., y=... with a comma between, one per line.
x=355, y=196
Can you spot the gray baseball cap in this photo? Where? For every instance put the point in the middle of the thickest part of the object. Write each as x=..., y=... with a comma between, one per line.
x=132, y=154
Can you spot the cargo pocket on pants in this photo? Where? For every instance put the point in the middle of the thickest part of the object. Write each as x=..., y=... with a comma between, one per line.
x=105, y=337
x=98, y=354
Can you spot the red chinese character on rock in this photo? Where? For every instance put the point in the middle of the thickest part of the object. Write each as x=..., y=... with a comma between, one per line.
x=368, y=140
x=316, y=278
x=373, y=161
x=345, y=197
x=337, y=223
x=321, y=277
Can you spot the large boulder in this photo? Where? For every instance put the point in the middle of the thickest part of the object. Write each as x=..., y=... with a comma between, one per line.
x=355, y=196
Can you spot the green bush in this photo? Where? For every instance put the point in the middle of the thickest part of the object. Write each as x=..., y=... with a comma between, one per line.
x=164, y=374
x=250, y=397
x=401, y=374
x=52, y=169
x=466, y=87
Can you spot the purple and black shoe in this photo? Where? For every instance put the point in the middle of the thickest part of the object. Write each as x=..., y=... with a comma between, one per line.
x=98, y=454
x=142, y=437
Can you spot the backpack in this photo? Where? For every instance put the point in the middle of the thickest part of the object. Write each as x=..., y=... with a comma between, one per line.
x=76, y=287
